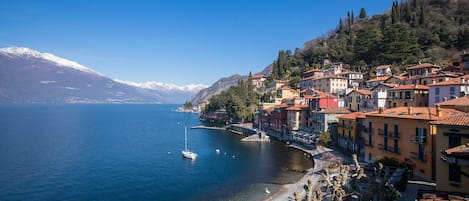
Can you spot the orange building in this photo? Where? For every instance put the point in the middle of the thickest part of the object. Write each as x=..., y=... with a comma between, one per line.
x=405, y=134
x=452, y=159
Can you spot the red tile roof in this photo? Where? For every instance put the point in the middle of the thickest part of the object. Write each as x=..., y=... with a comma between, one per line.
x=319, y=94
x=353, y=115
x=258, y=76
x=462, y=101
x=376, y=79
x=409, y=87
x=460, y=120
x=423, y=113
x=462, y=150
x=335, y=110
x=424, y=65
x=455, y=81
x=313, y=70
x=298, y=108
x=361, y=91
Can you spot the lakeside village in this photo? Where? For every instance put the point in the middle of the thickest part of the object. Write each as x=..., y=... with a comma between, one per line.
x=418, y=120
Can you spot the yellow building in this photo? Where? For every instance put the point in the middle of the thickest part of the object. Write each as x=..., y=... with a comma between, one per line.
x=286, y=93
x=452, y=157
x=410, y=95
x=405, y=134
x=348, y=131
x=297, y=117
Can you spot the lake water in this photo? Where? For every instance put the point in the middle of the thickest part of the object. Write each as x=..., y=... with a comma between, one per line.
x=131, y=152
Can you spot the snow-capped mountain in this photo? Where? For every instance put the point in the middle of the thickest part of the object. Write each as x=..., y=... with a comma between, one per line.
x=29, y=76
x=164, y=86
x=27, y=52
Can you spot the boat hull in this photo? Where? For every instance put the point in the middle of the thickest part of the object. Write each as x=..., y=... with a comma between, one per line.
x=189, y=155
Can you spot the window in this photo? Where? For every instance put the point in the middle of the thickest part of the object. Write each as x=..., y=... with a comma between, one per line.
x=385, y=136
x=400, y=95
x=454, y=141
x=407, y=95
x=437, y=91
x=452, y=91
x=437, y=99
x=454, y=173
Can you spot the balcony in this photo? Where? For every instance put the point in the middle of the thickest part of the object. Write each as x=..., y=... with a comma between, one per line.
x=415, y=156
x=381, y=132
x=395, y=135
x=345, y=126
x=389, y=149
x=419, y=140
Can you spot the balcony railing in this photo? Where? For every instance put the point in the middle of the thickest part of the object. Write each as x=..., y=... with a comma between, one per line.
x=381, y=132
x=395, y=135
x=345, y=125
x=389, y=149
x=419, y=139
x=415, y=156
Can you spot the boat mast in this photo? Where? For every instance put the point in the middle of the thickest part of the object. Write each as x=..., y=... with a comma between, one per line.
x=185, y=136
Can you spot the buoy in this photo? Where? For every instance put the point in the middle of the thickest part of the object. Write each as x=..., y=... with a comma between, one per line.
x=267, y=190
x=218, y=151
x=169, y=152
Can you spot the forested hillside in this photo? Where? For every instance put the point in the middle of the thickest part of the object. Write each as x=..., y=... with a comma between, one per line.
x=412, y=31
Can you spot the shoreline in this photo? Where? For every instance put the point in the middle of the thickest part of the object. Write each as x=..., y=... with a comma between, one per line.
x=286, y=191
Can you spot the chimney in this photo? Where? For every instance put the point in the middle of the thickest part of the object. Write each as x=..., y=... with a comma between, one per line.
x=380, y=110
x=409, y=110
x=439, y=113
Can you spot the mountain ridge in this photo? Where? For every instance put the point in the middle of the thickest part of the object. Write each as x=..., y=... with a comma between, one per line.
x=29, y=76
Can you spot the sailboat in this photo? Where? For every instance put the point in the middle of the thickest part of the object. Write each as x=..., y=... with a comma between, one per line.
x=186, y=153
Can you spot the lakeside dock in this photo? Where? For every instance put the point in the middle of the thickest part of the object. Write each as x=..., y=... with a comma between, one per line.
x=256, y=138
x=209, y=127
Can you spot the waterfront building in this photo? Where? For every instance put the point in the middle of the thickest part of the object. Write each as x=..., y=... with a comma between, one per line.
x=318, y=100
x=412, y=95
x=431, y=78
x=320, y=119
x=297, y=117
x=452, y=153
x=447, y=90
x=349, y=132
x=405, y=134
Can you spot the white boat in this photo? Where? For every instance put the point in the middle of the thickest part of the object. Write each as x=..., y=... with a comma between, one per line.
x=186, y=153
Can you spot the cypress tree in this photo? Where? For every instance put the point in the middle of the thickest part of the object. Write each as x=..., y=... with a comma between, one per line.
x=362, y=13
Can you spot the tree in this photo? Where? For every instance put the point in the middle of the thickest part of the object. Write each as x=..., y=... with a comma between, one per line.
x=188, y=105
x=367, y=44
x=362, y=13
x=399, y=45
x=324, y=138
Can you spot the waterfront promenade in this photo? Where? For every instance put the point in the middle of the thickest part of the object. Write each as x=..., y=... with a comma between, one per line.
x=287, y=190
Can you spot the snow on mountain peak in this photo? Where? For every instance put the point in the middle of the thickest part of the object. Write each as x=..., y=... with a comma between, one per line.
x=164, y=86
x=27, y=52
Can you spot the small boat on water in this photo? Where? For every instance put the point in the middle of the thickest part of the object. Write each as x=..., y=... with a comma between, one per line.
x=186, y=153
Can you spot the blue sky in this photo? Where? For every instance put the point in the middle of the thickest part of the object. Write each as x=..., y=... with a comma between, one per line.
x=181, y=42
